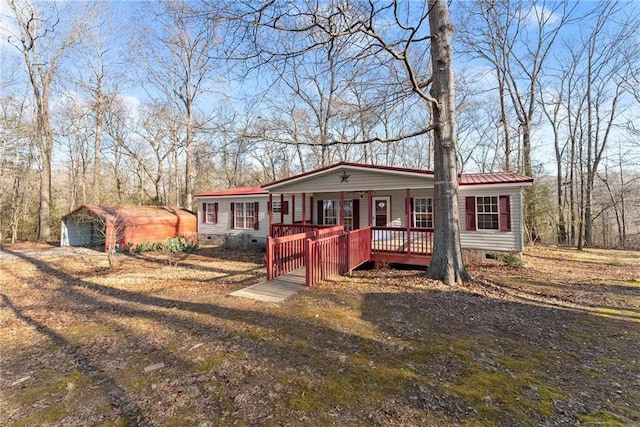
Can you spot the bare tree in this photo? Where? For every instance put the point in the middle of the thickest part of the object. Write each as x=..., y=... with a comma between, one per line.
x=403, y=36
x=179, y=61
x=42, y=49
x=516, y=39
x=16, y=163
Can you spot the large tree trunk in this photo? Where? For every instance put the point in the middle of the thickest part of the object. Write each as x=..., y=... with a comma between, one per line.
x=446, y=264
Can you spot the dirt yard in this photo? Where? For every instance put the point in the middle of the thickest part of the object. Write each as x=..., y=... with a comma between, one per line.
x=554, y=342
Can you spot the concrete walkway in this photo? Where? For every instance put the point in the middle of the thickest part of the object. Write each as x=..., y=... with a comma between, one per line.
x=275, y=290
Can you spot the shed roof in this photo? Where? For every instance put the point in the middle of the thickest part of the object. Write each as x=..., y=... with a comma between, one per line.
x=111, y=212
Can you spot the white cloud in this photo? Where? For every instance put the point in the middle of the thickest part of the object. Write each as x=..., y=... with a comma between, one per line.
x=539, y=14
x=8, y=26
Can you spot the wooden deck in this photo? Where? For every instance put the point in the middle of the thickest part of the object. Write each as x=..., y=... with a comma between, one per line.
x=277, y=289
x=400, y=258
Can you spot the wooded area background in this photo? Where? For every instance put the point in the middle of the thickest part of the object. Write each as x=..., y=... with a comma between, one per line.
x=150, y=102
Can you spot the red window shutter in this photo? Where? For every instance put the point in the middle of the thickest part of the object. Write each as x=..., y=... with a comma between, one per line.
x=285, y=207
x=215, y=213
x=504, y=206
x=356, y=213
x=320, y=220
x=204, y=213
x=470, y=212
x=233, y=215
x=256, y=219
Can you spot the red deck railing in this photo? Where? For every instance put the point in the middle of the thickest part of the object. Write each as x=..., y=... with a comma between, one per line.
x=325, y=258
x=418, y=241
x=330, y=251
x=337, y=254
x=280, y=230
x=286, y=253
x=359, y=247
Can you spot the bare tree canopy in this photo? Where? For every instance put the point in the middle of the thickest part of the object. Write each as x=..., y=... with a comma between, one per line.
x=137, y=102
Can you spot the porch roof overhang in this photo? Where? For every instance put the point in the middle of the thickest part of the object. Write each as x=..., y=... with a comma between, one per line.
x=356, y=177
x=352, y=177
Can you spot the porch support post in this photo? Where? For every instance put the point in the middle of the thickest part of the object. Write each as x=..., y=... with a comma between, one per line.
x=312, y=208
x=270, y=214
x=407, y=202
x=342, y=208
x=304, y=209
x=370, y=202
x=293, y=209
x=281, y=210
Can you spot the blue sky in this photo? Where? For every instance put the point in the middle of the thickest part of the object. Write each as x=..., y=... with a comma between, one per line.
x=123, y=22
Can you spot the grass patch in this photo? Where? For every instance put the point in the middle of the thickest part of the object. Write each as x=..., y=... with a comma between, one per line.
x=604, y=418
x=50, y=383
x=47, y=416
x=378, y=348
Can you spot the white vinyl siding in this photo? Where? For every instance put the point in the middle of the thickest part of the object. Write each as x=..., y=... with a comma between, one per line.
x=223, y=226
x=492, y=239
x=359, y=180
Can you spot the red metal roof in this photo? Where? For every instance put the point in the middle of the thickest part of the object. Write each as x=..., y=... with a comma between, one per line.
x=493, y=178
x=240, y=191
x=465, y=178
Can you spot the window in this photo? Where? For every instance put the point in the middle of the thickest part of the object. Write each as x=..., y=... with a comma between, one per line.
x=423, y=212
x=210, y=211
x=331, y=213
x=280, y=207
x=244, y=215
x=487, y=212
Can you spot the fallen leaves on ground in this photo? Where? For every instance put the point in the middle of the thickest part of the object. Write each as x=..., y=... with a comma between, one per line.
x=144, y=343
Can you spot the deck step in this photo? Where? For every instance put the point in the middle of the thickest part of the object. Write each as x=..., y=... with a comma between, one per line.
x=275, y=290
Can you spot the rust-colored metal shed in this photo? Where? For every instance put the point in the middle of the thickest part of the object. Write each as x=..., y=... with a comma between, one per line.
x=126, y=226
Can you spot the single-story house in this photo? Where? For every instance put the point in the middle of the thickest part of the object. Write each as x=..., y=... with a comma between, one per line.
x=395, y=203
x=125, y=226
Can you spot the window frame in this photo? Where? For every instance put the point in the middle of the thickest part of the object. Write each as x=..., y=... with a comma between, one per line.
x=210, y=212
x=428, y=213
x=248, y=219
x=348, y=213
x=495, y=214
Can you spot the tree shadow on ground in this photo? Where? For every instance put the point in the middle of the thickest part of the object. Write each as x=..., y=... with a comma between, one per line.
x=398, y=375
x=115, y=395
x=492, y=354
x=626, y=297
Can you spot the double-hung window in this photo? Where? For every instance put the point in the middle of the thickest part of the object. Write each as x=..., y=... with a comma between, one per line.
x=243, y=215
x=331, y=213
x=210, y=211
x=423, y=212
x=487, y=213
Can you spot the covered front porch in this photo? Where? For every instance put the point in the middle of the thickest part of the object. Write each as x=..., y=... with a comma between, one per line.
x=352, y=214
x=325, y=236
